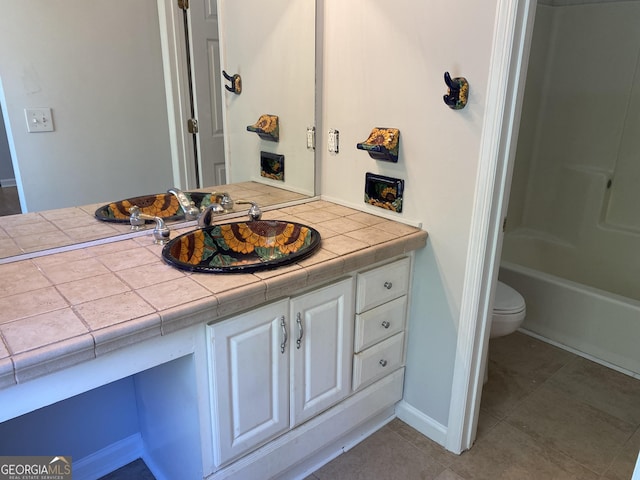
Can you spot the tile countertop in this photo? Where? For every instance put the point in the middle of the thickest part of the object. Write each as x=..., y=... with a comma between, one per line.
x=66, y=308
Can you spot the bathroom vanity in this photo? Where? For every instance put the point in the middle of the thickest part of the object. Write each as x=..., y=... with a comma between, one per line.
x=108, y=354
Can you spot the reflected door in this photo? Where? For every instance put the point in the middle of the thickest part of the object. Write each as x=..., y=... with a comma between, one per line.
x=207, y=91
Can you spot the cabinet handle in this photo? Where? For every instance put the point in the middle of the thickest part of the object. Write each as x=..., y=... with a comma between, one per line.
x=284, y=334
x=300, y=331
x=383, y=362
x=386, y=324
x=388, y=285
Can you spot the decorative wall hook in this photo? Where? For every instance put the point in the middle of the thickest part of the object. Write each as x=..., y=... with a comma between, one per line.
x=458, y=92
x=267, y=127
x=382, y=144
x=236, y=83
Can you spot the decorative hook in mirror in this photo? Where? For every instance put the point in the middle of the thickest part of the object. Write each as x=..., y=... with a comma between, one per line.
x=267, y=127
x=236, y=83
x=458, y=94
x=382, y=144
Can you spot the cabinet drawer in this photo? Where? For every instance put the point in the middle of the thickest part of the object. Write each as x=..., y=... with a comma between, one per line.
x=377, y=361
x=382, y=284
x=380, y=323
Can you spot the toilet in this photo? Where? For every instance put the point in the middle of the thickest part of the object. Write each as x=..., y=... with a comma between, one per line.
x=509, y=310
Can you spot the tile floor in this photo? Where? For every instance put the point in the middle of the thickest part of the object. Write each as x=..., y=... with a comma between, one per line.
x=545, y=414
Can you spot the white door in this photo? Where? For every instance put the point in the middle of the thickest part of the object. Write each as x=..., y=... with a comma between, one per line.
x=207, y=76
x=322, y=325
x=250, y=380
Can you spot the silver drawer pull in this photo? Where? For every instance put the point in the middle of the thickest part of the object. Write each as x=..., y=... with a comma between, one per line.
x=388, y=285
x=383, y=362
x=386, y=324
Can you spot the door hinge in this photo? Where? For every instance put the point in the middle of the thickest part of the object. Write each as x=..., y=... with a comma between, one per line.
x=192, y=125
x=504, y=224
x=183, y=4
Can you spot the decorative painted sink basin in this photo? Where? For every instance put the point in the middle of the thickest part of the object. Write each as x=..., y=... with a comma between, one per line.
x=163, y=205
x=241, y=247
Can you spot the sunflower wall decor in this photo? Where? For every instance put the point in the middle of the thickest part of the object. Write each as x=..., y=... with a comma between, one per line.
x=384, y=192
x=382, y=144
x=267, y=127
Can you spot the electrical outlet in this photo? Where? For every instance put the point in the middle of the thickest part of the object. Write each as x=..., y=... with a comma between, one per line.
x=38, y=120
x=311, y=138
x=334, y=141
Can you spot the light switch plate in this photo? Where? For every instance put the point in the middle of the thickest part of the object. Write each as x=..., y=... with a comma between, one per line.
x=38, y=120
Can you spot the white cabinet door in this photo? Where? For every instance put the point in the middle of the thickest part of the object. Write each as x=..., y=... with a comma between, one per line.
x=250, y=379
x=322, y=349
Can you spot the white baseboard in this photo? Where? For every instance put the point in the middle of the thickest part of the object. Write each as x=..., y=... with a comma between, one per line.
x=8, y=182
x=421, y=422
x=108, y=459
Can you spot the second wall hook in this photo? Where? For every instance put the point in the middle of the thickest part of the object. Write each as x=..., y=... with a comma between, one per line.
x=236, y=83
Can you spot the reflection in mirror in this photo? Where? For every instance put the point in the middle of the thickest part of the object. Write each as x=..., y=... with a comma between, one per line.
x=107, y=75
x=39, y=231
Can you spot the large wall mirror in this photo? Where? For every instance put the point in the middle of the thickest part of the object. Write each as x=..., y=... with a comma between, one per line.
x=115, y=79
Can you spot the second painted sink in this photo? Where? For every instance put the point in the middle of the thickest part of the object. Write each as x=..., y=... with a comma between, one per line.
x=242, y=247
x=163, y=205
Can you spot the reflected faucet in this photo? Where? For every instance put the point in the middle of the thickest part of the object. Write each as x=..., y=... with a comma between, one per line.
x=224, y=199
x=189, y=208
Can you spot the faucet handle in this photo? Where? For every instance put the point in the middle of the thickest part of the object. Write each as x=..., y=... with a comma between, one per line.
x=136, y=222
x=224, y=200
x=161, y=232
x=255, y=213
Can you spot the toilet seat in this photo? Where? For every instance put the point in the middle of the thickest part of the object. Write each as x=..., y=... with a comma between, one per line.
x=507, y=300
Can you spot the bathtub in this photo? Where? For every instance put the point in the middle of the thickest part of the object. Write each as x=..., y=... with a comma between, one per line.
x=599, y=325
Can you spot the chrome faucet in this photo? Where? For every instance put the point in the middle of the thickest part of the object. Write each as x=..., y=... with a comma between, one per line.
x=206, y=217
x=255, y=213
x=189, y=208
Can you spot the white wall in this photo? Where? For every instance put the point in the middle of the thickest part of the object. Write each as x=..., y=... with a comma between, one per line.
x=383, y=66
x=98, y=66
